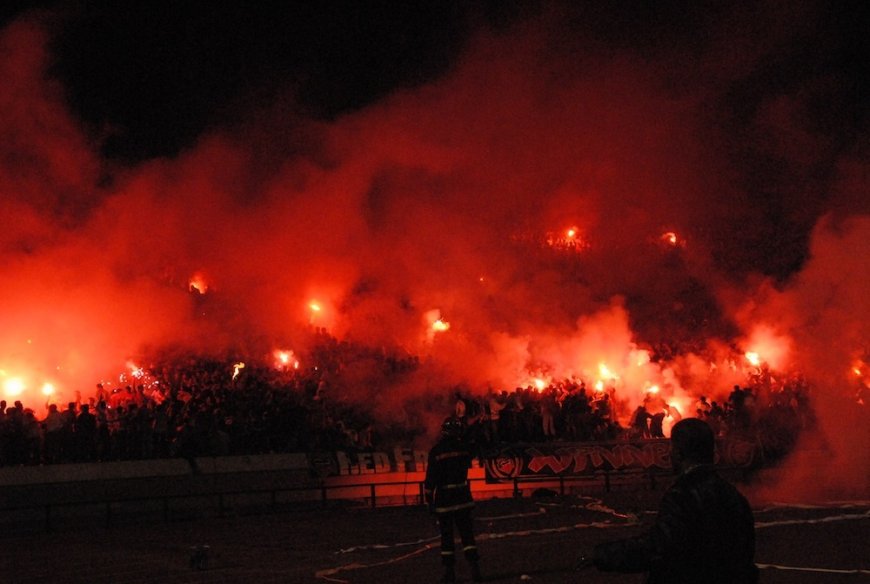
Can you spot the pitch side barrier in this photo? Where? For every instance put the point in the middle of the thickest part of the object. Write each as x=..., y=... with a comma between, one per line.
x=569, y=460
x=509, y=467
x=179, y=487
x=171, y=488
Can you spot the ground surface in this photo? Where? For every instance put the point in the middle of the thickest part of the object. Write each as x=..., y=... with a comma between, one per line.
x=534, y=540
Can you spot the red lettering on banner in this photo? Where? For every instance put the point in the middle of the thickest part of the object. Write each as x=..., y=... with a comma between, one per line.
x=343, y=463
x=404, y=458
x=614, y=457
x=661, y=454
x=381, y=462
x=556, y=463
x=653, y=454
x=617, y=456
x=631, y=454
x=581, y=457
x=595, y=456
x=574, y=460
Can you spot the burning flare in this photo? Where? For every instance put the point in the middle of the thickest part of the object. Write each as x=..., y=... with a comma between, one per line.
x=285, y=359
x=570, y=239
x=671, y=238
x=435, y=323
x=198, y=283
x=135, y=370
x=440, y=326
x=14, y=387
x=605, y=372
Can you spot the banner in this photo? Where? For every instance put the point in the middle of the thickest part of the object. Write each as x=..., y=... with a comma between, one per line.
x=339, y=462
x=533, y=461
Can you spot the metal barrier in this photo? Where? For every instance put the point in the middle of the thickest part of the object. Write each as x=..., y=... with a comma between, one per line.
x=324, y=490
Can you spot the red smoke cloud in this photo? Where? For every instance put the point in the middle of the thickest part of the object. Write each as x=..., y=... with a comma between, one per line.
x=438, y=198
x=821, y=311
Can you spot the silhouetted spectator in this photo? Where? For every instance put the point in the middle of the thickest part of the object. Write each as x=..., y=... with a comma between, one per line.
x=86, y=435
x=53, y=428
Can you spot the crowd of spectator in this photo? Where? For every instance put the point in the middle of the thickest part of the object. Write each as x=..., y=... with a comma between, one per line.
x=192, y=406
x=566, y=411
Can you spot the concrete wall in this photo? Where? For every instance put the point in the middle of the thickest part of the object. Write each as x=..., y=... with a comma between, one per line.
x=132, y=469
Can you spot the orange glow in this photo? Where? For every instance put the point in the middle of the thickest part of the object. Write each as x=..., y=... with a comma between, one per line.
x=570, y=239
x=766, y=346
x=440, y=325
x=135, y=370
x=670, y=237
x=675, y=408
x=642, y=358
x=435, y=324
x=599, y=385
x=198, y=283
x=25, y=387
x=285, y=359
x=315, y=310
x=540, y=384
x=320, y=308
x=652, y=389
x=237, y=368
x=13, y=387
x=605, y=372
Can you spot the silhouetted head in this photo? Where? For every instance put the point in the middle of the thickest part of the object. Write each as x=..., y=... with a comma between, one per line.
x=692, y=442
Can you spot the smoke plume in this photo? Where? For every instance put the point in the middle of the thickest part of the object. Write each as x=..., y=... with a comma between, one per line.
x=557, y=201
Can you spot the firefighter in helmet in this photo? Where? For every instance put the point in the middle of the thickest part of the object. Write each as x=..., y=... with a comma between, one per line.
x=449, y=496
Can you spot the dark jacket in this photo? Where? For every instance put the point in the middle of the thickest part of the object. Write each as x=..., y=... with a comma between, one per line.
x=704, y=532
x=446, y=485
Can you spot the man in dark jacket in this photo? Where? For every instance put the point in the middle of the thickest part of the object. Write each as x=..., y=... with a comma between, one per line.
x=449, y=496
x=704, y=531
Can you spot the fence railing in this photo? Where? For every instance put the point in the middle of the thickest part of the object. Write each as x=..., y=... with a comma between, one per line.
x=312, y=493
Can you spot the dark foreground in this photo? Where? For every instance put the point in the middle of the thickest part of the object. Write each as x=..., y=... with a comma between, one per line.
x=534, y=540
